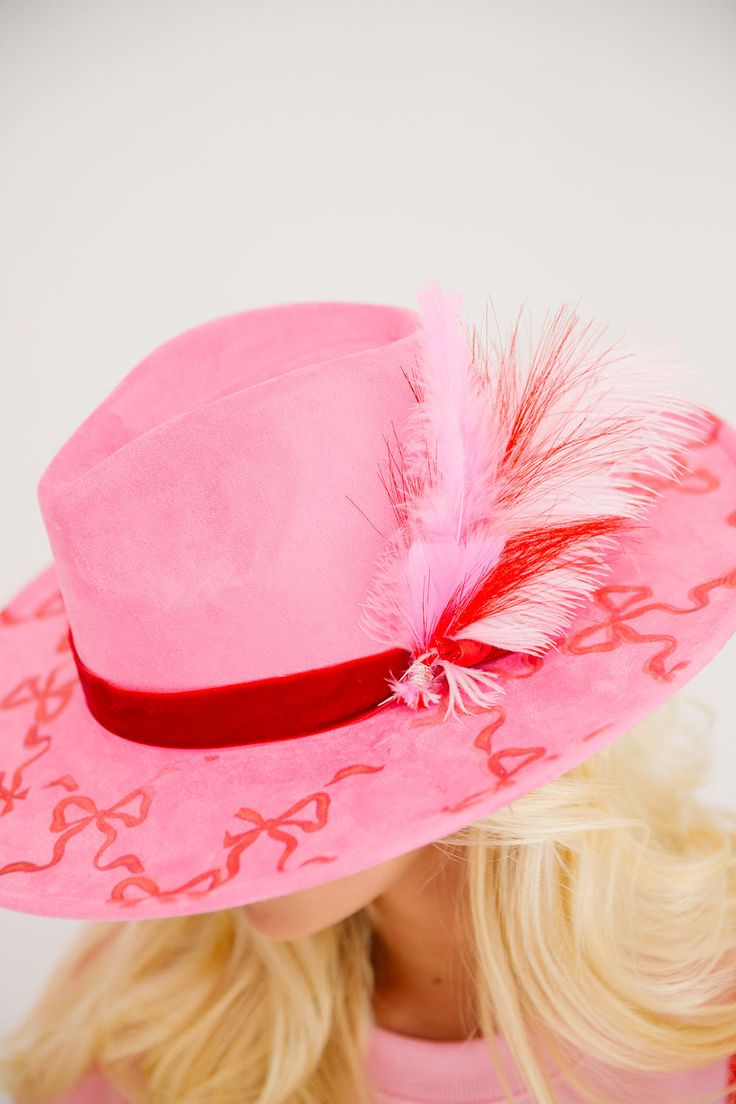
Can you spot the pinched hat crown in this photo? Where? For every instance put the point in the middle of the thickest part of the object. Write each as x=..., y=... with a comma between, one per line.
x=218, y=517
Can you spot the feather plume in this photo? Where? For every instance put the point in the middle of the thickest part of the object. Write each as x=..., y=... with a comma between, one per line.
x=512, y=485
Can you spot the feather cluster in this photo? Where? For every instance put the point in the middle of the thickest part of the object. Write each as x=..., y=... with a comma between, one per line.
x=516, y=475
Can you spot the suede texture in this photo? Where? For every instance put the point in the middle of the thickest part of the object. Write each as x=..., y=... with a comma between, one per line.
x=218, y=518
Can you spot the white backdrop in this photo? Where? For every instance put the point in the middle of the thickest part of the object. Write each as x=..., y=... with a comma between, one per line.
x=168, y=161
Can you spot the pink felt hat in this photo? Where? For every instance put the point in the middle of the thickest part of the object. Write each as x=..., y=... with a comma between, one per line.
x=332, y=580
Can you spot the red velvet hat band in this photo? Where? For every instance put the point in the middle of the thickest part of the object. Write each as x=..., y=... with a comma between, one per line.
x=257, y=712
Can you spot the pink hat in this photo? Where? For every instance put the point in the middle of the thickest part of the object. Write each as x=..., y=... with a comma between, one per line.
x=333, y=580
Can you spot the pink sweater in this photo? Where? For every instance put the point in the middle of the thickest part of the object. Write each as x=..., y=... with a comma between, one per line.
x=416, y=1071
x=406, y=1070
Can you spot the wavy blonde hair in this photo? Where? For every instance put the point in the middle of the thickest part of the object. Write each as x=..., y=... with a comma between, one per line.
x=603, y=914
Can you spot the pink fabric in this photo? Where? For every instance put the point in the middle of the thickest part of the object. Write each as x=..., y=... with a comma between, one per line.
x=196, y=513
x=218, y=518
x=92, y=1089
x=406, y=1070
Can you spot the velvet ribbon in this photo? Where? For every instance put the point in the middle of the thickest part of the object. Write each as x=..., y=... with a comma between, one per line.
x=261, y=711
x=256, y=712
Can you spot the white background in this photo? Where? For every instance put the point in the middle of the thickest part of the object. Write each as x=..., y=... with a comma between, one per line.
x=168, y=162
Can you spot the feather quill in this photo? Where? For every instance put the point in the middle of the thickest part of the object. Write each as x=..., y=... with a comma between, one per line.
x=513, y=482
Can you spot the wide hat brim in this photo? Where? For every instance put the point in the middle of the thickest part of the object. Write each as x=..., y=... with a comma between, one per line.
x=94, y=826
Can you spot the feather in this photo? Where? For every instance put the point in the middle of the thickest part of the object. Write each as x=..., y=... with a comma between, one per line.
x=512, y=485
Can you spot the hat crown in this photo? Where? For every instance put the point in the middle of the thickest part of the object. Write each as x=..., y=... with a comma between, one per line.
x=218, y=517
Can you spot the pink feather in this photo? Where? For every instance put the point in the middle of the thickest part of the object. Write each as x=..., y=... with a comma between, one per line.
x=513, y=482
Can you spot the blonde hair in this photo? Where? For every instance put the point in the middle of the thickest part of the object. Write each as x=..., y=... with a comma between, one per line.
x=603, y=916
